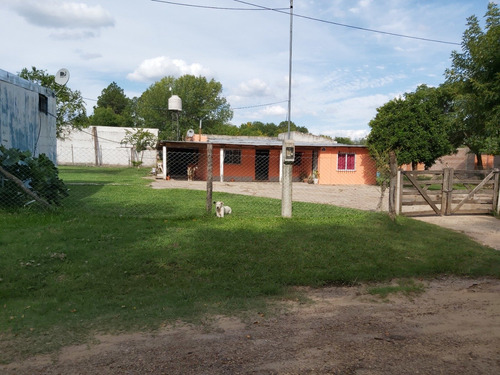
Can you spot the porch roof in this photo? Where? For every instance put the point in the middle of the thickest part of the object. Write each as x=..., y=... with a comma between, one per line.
x=250, y=142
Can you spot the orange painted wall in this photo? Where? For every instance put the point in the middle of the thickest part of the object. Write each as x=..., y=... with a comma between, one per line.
x=365, y=170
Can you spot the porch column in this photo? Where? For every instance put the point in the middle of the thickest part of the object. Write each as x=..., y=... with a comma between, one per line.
x=221, y=165
x=281, y=165
x=164, y=162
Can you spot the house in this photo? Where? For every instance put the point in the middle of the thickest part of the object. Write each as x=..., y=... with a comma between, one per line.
x=240, y=158
x=27, y=116
x=102, y=146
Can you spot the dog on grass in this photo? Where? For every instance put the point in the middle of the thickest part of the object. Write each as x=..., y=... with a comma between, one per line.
x=221, y=210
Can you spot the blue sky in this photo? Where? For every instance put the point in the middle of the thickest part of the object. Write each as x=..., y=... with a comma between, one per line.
x=340, y=75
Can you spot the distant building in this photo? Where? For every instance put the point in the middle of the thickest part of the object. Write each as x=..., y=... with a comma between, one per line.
x=27, y=116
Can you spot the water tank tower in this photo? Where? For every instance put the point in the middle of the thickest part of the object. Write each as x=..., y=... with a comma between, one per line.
x=175, y=103
x=175, y=107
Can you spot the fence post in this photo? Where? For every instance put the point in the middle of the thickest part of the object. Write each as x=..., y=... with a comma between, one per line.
x=209, y=177
x=393, y=164
x=496, y=192
x=446, y=191
x=96, y=145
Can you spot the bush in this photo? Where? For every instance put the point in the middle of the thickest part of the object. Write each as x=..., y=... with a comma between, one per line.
x=36, y=175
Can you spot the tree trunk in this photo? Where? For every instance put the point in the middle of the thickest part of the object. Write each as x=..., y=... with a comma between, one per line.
x=19, y=183
x=479, y=158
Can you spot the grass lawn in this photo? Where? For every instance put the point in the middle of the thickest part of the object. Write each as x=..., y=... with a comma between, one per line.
x=120, y=256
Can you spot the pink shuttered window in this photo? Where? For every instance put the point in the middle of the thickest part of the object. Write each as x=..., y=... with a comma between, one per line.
x=346, y=162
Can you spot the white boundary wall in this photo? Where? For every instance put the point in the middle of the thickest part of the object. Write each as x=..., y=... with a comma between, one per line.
x=101, y=146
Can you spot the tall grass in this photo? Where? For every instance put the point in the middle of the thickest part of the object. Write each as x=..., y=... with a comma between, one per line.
x=94, y=267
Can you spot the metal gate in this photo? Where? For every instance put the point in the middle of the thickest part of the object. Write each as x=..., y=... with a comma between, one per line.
x=448, y=192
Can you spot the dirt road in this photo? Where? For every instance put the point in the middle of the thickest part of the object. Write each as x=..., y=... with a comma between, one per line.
x=453, y=328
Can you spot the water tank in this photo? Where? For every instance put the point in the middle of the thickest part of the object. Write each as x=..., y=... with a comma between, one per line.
x=174, y=103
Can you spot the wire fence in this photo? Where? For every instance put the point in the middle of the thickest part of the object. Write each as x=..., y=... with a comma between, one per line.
x=247, y=180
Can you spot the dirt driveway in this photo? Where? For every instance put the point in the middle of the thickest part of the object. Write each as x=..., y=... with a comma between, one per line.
x=452, y=328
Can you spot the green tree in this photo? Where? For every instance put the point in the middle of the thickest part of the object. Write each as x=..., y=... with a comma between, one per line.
x=70, y=105
x=201, y=99
x=475, y=79
x=415, y=127
x=113, y=108
x=344, y=140
x=140, y=140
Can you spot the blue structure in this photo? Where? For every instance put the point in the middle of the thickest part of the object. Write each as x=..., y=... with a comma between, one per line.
x=27, y=116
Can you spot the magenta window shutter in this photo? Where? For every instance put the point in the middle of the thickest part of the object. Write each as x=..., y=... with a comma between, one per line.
x=351, y=162
x=341, y=162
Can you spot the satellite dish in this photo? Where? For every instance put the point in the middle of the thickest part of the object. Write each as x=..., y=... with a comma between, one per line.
x=62, y=76
x=190, y=133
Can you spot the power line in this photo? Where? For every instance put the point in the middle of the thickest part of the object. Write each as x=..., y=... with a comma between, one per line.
x=210, y=7
x=260, y=105
x=286, y=11
x=349, y=26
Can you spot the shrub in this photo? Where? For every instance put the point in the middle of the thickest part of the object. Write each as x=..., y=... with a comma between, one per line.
x=36, y=175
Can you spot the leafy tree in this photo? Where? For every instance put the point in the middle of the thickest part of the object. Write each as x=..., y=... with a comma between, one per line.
x=70, y=105
x=475, y=79
x=258, y=128
x=140, y=140
x=415, y=127
x=344, y=140
x=113, y=97
x=201, y=99
x=113, y=108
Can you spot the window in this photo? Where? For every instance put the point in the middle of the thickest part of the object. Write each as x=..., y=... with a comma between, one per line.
x=43, y=104
x=232, y=156
x=346, y=162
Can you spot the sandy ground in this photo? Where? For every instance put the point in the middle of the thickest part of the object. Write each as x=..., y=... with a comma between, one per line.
x=451, y=328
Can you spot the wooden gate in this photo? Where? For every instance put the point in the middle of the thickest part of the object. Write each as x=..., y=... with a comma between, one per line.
x=447, y=192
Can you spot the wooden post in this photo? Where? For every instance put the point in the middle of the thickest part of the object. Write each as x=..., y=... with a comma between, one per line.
x=446, y=191
x=96, y=145
x=496, y=191
x=393, y=164
x=209, y=177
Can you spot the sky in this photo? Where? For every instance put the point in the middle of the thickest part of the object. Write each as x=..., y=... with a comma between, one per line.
x=341, y=72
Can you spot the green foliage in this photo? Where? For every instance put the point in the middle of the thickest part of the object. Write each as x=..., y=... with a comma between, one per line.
x=70, y=105
x=39, y=175
x=415, y=127
x=113, y=108
x=201, y=99
x=140, y=140
x=269, y=129
x=474, y=77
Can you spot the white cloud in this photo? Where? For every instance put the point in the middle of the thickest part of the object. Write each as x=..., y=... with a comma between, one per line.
x=159, y=67
x=63, y=14
x=254, y=87
x=274, y=110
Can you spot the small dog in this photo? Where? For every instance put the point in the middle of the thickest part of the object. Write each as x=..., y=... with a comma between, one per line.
x=191, y=171
x=222, y=210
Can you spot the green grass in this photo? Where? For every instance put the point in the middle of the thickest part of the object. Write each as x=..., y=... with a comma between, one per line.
x=120, y=256
x=407, y=287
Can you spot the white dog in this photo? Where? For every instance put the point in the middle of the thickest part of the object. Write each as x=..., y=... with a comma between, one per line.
x=222, y=210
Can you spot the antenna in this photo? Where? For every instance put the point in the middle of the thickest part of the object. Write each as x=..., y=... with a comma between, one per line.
x=62, y=76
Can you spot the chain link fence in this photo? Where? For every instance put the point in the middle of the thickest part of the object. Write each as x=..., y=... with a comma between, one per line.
x=115, y=182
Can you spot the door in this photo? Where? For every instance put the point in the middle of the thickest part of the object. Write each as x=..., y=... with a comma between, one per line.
x=262, y=165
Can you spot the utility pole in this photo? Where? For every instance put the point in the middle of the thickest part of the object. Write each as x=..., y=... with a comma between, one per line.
x=288, y=150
